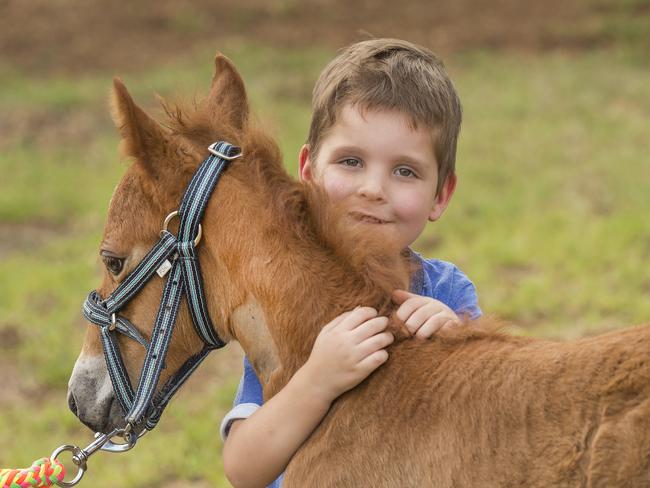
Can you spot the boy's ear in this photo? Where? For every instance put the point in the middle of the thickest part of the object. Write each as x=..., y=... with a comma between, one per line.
x=305, y=170
x=443, y=197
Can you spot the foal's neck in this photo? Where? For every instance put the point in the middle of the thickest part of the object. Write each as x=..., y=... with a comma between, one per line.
x=293, y=277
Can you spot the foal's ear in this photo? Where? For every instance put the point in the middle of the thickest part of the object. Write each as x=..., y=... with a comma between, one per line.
x=227, y=97
x=143, y=138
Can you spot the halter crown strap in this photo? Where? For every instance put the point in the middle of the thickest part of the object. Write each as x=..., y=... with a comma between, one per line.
x=177, y=257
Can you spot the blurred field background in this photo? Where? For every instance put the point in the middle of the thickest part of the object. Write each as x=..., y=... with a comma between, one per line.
x=550, y=218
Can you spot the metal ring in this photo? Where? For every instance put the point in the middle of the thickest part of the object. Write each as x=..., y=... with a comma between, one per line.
x=169, y=218
x=82, y=468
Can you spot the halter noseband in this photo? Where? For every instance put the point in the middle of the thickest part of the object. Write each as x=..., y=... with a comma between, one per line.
x=176, y=257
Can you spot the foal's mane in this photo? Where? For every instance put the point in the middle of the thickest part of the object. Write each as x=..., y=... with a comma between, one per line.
x=301, y=210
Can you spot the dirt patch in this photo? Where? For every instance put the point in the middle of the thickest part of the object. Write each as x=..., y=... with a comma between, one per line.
x=10, y=336
x=51, y=128
x=16, y=385
x=187, y=484
x=27, y=237
x=90, y=35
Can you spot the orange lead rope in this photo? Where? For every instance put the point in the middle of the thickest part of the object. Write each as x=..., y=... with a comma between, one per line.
x=48, y=471
x=41, y=474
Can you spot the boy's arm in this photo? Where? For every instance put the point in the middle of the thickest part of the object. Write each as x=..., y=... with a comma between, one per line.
x=346, y=351
x=272, y=434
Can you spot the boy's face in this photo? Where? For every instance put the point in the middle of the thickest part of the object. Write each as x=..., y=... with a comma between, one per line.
x=385, y=170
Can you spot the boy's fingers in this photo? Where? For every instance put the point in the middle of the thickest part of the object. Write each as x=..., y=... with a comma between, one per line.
x=450, y=324
x=407, y=308
x=431, y=326
x=370, y=328
x=376, y=342
x=419, y=317
x=384, y=339
x=400, y=296
x=357, y=317
x=373, y=361
x=337, y=320
x=373, y=344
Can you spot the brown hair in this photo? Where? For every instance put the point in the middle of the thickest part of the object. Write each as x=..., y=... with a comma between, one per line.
x=396, y=75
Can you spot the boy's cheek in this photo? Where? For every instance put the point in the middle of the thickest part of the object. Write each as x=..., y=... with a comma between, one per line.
x=414, y=204
x=337, y=188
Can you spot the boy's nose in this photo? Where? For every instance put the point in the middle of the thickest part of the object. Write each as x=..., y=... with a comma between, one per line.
x=372, y=188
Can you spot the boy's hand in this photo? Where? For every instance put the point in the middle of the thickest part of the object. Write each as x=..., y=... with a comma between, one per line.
x=347, y=350
x=423, y=316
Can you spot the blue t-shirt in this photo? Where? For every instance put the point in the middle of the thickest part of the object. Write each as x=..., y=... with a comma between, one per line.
x=434, y=278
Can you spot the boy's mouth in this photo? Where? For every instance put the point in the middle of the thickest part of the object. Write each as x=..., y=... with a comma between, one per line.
x=368, y=219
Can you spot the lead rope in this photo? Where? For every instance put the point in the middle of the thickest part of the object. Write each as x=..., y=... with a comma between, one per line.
x=41, y=474
x=48, y=471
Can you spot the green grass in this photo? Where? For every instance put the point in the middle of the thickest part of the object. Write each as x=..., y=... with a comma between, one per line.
x=549, y=220
x=58, y=185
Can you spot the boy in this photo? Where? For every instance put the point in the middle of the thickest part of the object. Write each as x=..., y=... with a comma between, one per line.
x=382, y=142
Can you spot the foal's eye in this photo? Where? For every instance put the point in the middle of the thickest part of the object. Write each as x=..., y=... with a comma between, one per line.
x=113, y=263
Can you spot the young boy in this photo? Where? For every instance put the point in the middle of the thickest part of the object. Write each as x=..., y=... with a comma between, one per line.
x=382, y=141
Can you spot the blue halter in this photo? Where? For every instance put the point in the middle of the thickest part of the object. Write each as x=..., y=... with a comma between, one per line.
x=177, y=257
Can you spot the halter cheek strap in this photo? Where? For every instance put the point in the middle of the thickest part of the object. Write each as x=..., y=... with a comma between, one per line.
x=176, y=257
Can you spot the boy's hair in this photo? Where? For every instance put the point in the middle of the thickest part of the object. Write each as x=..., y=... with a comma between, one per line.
x=396, y=75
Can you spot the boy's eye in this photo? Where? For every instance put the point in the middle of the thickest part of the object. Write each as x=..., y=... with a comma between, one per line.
x=407, y=172
x=351, y=162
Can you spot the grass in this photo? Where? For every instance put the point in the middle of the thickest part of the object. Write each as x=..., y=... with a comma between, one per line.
x=549, y=220
x=553, y=187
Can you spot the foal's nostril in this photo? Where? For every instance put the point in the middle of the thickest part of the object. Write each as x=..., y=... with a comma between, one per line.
x=72, y=404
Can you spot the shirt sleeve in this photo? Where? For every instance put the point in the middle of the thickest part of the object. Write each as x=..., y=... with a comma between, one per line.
x=464, y=297
x=248, y=399
x=445, y=282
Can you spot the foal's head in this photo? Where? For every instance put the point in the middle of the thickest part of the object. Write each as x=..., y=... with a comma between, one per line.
x=164, y=158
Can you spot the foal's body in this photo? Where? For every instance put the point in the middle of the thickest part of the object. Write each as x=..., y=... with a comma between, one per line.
x=491, y=410
x=465, y=409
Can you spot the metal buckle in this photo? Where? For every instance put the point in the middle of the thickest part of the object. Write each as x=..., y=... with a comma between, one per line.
x=222, y=155
x=113, y=325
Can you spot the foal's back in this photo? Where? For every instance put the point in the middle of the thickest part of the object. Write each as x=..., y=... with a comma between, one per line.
x=491, y=410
